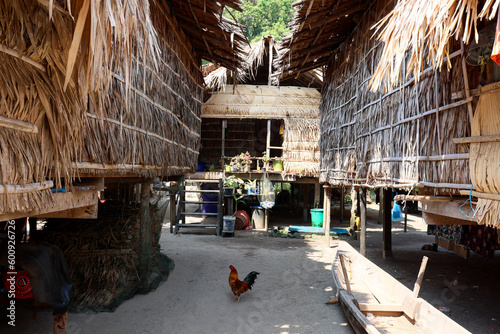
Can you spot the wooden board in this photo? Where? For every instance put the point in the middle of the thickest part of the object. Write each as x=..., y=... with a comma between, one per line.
x=62, y=202
x=449, y=209
x=465, y=253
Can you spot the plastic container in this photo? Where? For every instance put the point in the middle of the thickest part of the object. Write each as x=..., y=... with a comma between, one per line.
x=228, y=224
x=257, y=217
x=317, y=217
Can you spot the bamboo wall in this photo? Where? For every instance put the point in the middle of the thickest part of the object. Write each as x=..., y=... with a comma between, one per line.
x=400, y=138
x=93, y=89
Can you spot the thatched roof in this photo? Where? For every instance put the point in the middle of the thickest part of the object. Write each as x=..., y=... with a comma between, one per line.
x=214, y=37
x=267, y=102
x=319, y=28
x=256, y=69
x=425, y=27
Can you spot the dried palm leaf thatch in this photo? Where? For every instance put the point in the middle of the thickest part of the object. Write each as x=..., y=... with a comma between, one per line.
x=402, y=138
x=301, y=149
x=424, y=28
x=484, y=157
x=103, y=254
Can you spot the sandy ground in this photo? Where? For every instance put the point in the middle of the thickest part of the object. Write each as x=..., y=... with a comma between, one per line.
x=290, y=293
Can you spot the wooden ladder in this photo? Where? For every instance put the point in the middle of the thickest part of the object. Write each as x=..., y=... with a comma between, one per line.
x=180, y=220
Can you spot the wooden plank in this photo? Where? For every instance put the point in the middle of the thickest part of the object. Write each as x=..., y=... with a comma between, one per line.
x=433, y=219
x=357, y=319
x=62, y=201
x=449, y=209
x=420, y=277
x=19, y=189
x=86, y=212
x=380, y=307
x=344, y=272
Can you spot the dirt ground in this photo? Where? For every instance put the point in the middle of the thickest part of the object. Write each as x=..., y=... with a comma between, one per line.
x=294, y=283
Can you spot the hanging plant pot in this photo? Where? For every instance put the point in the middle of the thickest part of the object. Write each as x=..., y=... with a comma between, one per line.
x=227, y=168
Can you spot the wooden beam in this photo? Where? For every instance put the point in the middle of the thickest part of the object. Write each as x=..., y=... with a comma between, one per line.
x=385, y=206
x=477, y=139
x=62, y=201
x=424, y=198
x=86, y=212
x=434, y=219
x=494, y=197
x=326, y=214
x=362, y=222
x=449, y=209
x=380, y=307
x=146, y=238
x=317, y=194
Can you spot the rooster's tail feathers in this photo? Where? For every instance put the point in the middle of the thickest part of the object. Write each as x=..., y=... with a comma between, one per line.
x=250, y=279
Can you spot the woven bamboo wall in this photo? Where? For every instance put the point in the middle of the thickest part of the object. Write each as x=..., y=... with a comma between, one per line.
x=400, y=138
x=301, y=150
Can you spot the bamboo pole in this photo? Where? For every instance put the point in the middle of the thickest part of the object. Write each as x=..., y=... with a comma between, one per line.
x=494, y=197
x=99, y=166
x=27, y=188
x=477, y=139
x=19, y=125
x=424, y=198
x=18, y=55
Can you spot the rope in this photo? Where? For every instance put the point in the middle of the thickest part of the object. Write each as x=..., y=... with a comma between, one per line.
x=470, y=203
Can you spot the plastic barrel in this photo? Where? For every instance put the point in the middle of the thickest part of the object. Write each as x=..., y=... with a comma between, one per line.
x=258, y=217
x=317, y=217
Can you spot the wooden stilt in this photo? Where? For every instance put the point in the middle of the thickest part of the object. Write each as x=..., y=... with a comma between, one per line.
x=342, y=204
x=146, y=238
x=317, y=194
x=305, y=210
x=266, y=219
x=385, y=203
x=32, y=228
x=292, y=195
x=362, y=221
x=173, y=211
x=406, y=217
x=326, y=214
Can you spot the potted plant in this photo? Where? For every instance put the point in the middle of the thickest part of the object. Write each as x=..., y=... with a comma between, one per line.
x=231, y=183
x=236, y=163
x=246, y=162
x=250, y=186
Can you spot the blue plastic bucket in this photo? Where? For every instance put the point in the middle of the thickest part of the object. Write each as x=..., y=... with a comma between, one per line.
x=317, y=217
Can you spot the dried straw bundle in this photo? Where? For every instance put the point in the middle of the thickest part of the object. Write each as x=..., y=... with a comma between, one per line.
x=423, y=28
x=102, y=255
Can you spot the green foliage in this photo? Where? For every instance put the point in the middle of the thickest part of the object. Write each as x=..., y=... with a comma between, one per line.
x=265, y=17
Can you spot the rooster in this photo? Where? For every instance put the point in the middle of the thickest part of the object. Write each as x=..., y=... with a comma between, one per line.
x=237, y=286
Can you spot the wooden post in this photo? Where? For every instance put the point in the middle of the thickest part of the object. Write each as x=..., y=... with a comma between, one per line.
x=305, y=207
x=385, y=204
x=317, y=194
x=362, y=221
x=326, y=214
x=32, y=227
x=224, y=126
x=268, y=142
x=342, y=204
x=270, y=74
x=266, y=219
x=406, y=216
x=173, y=211
x=146, y=238
x=298, y=197
x=292, y=195
x=420, y=277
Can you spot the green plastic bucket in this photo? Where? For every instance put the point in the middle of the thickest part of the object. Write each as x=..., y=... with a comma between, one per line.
x=317, y=217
